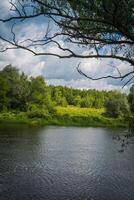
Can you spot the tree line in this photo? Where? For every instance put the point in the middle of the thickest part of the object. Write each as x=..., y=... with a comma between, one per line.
x=18, y=92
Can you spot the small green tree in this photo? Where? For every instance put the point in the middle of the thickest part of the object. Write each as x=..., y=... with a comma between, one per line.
x=87, y=102
x=77, y=100
x=131, y=98
x=18, y=87
x=117, y=105
x=58, y=97
x=3, y=93
x=40, y=96
x=38, y=89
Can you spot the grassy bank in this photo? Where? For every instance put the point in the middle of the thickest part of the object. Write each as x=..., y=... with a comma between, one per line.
x=66, y=116
x=88, y=117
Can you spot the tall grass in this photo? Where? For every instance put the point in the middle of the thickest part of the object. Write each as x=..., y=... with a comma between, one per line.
x=76, y=111
x=88, y=117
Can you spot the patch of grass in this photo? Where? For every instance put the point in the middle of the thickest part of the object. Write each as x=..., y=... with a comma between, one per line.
x=76, y=111
x=88, y=117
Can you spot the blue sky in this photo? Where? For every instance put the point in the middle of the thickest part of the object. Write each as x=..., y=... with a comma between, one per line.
x=58, y=71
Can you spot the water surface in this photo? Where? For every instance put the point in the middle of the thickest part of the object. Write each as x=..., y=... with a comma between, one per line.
x=64, y=163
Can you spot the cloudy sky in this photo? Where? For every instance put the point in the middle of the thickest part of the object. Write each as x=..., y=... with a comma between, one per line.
x=58, y=71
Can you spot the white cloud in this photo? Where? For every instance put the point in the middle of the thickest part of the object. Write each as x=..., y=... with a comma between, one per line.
x=96, y=67
x=4, y=8
x=86, y=84
x=23, y=60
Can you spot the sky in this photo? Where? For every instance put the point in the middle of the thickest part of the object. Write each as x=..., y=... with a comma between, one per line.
x=58, y=71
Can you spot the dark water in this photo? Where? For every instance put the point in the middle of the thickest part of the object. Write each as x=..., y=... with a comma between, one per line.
x=58, y=163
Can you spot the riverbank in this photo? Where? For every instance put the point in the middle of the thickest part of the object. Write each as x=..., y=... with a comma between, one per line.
x=66, y=116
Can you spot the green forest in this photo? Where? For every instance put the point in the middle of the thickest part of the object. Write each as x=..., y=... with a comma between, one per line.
x=26, y=99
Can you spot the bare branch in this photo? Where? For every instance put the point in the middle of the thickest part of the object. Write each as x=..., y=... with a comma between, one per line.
x=104, y=77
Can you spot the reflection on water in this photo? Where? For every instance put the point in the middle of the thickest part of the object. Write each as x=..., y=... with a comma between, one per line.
x=62, y=163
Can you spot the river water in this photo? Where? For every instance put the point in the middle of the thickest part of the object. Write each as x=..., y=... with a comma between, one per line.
x=64, y=163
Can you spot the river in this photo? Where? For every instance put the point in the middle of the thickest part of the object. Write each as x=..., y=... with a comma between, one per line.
x=64, y=163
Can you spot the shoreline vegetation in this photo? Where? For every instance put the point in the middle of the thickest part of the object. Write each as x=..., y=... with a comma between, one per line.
x=29, y=100
x=66, y=116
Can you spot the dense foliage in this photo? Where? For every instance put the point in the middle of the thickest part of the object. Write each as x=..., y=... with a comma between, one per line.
x=131, y=98
x=117, y=105
x=18, y=92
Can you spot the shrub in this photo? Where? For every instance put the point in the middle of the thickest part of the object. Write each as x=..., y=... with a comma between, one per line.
x=38, y=114
x=117, y=105
x=131, y=98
